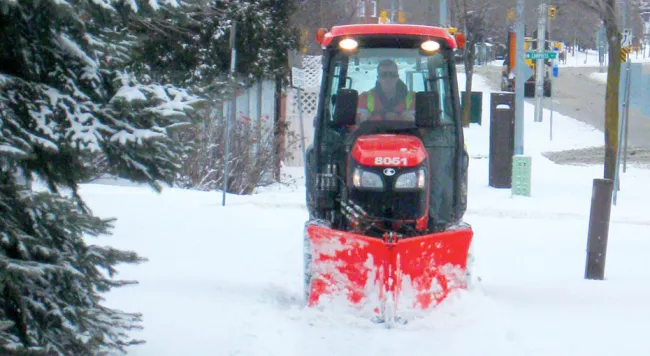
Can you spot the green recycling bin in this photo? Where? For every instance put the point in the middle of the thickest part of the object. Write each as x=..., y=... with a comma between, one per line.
x=476, y=108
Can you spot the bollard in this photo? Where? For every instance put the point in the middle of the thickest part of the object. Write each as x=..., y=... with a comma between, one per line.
x=601, y=206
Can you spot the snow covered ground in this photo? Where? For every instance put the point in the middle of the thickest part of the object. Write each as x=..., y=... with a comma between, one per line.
x=228, y=280
x=599, y=77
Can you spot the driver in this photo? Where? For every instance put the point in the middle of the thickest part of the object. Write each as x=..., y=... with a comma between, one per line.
x=389, y=99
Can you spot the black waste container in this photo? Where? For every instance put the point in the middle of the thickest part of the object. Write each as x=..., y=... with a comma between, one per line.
x=502, y=139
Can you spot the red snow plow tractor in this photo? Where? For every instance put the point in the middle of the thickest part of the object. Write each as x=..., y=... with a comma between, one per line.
x=386, y=176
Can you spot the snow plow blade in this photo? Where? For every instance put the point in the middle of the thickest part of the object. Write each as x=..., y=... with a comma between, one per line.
x=385, y=279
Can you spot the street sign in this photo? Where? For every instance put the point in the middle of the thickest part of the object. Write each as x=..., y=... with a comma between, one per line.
x=626, y=38
x=541, y=55
x=298, y=78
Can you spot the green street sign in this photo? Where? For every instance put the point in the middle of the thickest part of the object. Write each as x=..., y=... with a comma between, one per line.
x=541, y=55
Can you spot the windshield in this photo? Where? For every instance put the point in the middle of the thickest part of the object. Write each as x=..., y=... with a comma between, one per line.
x=365, y=71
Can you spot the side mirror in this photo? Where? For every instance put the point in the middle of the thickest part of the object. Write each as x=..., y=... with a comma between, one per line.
x=345, y=112
x=427, y=109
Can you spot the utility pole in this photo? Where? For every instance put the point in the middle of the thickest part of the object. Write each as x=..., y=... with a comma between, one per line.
x=443, y=13
x=519, y=80
x=540, y=66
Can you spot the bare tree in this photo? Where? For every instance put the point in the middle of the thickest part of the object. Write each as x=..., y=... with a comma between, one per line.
x=473, y=15
x=314, y=14
x=608, y=14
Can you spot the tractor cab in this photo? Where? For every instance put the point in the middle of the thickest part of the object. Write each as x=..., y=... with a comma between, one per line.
x=399, y=109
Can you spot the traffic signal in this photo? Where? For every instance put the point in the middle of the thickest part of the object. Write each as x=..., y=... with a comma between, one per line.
x=383, y=16
x=401, y=17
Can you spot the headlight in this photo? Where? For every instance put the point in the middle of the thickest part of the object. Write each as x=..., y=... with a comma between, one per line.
x=412, y=180
x=365, y=179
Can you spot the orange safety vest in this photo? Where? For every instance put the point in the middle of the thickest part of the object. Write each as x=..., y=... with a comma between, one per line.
x=375, y=107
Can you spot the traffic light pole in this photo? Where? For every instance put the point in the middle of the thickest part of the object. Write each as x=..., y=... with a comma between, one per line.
x=519, y=80
x=539, y=63
x=443, y=13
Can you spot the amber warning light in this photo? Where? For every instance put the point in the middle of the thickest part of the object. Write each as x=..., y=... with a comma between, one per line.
x=460, y=39
x=320, y=35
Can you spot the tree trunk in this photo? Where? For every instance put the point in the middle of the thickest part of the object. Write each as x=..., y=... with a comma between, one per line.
x=611, y=94
x=469, y=72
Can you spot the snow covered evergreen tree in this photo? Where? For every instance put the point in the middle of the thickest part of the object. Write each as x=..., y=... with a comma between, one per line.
x=68, y=92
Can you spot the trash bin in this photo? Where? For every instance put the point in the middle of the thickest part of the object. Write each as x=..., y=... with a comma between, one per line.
x=476, y=107
x=502, y=139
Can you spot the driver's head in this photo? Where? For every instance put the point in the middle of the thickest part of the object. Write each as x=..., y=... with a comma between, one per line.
x=387, y=75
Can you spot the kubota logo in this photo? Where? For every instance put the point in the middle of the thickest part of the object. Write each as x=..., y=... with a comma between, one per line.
x=389, y=172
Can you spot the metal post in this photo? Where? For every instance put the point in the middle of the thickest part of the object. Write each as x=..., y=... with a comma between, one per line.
x=601, y=206
x=258, y=128
x=443, y=13
x=392, y=11
x=519, y=80
x=539, y=63
x=600, y=39
x=550, y=21
x=233, y=110
x=621, y=131
x=626, y=119
x=626, y=95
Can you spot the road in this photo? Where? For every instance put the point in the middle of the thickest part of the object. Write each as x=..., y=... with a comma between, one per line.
x=578, y=96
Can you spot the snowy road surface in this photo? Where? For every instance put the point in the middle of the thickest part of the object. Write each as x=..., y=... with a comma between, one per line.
x=579, y=95
x=228, y=280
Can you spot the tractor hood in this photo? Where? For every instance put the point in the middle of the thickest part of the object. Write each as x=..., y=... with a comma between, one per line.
x=389, y=150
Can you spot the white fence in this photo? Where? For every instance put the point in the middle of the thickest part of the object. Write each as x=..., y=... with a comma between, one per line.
x=309, y=99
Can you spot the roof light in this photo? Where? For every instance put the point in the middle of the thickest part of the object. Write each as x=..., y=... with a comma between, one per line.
x=430, y=46
x=348, y=44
